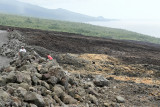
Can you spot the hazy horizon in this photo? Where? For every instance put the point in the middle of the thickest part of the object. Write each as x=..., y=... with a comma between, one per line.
x=113, y=9
x=150, y=28
x=133, y=15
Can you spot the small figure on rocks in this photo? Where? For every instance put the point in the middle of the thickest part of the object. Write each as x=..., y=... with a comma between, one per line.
x=22, y=51
x=49, y=57
x=8, y=30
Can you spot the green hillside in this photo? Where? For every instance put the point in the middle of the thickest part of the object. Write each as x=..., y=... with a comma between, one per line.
x=72, y=27
x=21, y=8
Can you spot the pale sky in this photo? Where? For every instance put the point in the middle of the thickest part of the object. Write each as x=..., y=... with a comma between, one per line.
x=115, y=9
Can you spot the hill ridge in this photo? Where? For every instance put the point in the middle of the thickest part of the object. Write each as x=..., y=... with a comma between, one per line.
x=26, y=9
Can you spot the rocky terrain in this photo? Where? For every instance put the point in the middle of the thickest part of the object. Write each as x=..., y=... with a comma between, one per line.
x=85, y=72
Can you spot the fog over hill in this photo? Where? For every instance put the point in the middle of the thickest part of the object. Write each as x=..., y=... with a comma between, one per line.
x=20, y=8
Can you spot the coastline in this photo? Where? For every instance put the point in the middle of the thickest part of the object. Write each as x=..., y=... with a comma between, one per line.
x=150, y=28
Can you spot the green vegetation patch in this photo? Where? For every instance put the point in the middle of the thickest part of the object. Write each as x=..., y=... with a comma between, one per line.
x=73, y=27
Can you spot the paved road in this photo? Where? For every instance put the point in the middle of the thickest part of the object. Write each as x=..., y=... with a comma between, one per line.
x=3, y=39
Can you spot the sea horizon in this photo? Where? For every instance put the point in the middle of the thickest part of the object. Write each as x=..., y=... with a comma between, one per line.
x=146, y=27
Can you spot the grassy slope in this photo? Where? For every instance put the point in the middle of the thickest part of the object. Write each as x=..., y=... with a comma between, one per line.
x=72, y=27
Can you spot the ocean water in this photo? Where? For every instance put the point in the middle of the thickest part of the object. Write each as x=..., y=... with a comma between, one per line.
x=151, y=28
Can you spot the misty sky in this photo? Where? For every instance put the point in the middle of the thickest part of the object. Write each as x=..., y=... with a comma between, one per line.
x=116, y=9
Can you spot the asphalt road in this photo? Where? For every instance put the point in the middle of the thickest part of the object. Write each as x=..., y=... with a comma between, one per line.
x=3, y=39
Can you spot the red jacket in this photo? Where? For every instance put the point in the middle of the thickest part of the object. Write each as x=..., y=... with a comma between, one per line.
x=49, y=57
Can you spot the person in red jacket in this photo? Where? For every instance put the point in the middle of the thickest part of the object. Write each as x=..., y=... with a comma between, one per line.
x=49, y=57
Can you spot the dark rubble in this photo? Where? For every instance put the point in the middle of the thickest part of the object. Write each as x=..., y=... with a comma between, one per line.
x=35, y=81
